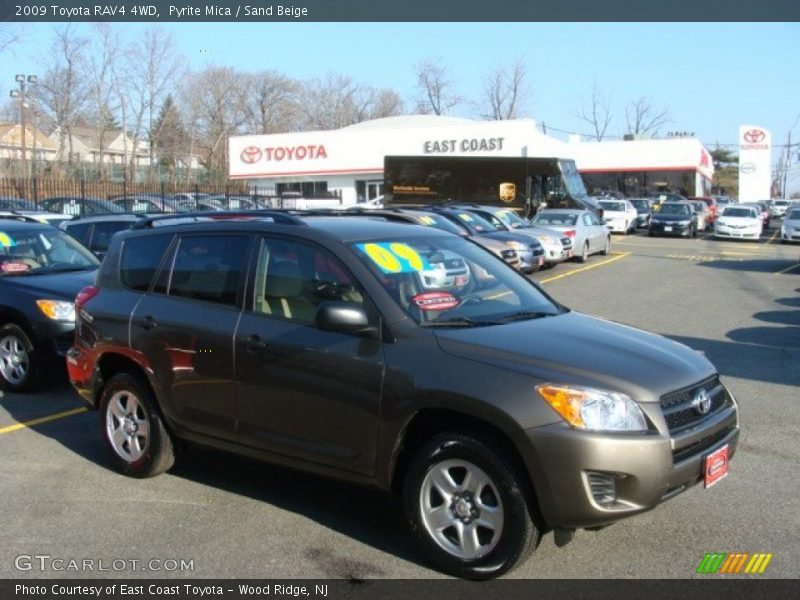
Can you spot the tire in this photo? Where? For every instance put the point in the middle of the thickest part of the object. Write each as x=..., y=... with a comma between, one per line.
x=20, y=368
x=434, y=492
x=650, y=233
x=132, y=452
x=607, y=248
x=584, y=255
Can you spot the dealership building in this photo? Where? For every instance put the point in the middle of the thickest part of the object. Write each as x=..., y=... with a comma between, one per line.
x=349, y=162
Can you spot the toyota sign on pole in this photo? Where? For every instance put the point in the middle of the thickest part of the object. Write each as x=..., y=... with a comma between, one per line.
x=755, y=163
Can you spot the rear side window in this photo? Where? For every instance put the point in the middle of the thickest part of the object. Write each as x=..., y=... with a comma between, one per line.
x=79, y=232
x=210, y=268
x=101, y=236
x=140, y=259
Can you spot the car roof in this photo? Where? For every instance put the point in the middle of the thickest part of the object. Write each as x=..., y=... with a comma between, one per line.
x=132, y=217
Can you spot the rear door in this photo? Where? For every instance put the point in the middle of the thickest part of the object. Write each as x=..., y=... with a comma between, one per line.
x=185, y=327
x=303, y=392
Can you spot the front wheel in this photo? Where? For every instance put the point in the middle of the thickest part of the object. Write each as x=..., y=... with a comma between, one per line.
x=467, y=507
x=134, y=434
x=607, y=247
x=19, y=366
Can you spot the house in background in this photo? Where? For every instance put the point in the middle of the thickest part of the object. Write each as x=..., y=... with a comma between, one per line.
x=97, y=145
x=37, y=144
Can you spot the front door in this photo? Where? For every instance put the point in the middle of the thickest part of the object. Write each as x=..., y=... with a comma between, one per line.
x=303, y=392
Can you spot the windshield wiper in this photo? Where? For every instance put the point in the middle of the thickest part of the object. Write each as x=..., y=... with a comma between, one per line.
x=458, y=322
x=67, y=270
x=525, y=315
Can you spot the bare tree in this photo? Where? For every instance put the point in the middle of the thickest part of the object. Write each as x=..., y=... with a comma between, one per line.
x=597, y=113
x=151, y=68
x=435, y=89
x=271, y=102
x=644, y=118
x=102, y=77
x=62, y=89
x=334, y=101
x=386, y=103
x=503, y=91
x=9, y=35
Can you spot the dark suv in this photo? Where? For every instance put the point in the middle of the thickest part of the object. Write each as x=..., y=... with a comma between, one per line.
x=41, y=270
x=315, y=342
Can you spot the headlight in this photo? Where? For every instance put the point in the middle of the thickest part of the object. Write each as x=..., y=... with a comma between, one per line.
x=594, y=410
x=58, y=310
x=518, y=246
x=684, y=223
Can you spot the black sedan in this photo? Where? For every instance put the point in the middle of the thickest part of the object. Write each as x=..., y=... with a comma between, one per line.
x=674, y=218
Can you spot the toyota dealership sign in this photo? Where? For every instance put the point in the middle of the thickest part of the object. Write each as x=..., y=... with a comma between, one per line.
x=755, y=163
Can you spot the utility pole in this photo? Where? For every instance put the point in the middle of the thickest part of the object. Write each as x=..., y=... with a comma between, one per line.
x=786, y=163
x=20, y=93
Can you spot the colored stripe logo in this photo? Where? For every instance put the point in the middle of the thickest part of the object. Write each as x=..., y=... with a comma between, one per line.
x=734, y=563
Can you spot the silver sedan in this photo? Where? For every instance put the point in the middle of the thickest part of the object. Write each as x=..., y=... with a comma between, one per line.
x=589, y=234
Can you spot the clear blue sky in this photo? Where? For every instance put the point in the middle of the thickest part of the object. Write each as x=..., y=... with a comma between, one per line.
x=712, y=77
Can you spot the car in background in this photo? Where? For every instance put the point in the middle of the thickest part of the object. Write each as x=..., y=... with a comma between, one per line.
x=9, y=203
x=147, y=203
x=79, y=206
x=780, y=206
x=658, y=198
x=703, y=214
x=740, y=221
x=713, y=208
x=95, y=232
x=609, y=195
x=557, y=247
x=589, y=234
x=674, y=218
x=42, y=269
x=790, y=228
x=722, y=202
x=241, y=201
x=763, y=211
x=644, y=209
x=620, y=215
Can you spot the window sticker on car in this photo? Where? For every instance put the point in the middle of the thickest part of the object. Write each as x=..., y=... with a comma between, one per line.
x=465, y=217
x=435, y=301
x=394, y=257
x=426, y=220
x=6, y=241
x=14, y=267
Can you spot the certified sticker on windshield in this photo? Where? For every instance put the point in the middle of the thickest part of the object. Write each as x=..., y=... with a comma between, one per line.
x=394, y=257
x=435, y=301
x=6, y=241
x=15, y=267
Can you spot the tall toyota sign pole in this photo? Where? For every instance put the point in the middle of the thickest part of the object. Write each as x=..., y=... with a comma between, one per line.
x=755, y=163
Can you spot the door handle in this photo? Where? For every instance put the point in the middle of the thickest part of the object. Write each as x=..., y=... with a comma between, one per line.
x=147, y=322
x=254, y=343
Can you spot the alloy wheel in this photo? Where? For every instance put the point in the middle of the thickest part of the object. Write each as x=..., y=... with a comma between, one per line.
x=127, y=426
x=14, y=360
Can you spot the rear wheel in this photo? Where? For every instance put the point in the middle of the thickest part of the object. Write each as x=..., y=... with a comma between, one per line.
x=584, y=255
x=138, y=443
x=19, y=365
x=607, y=247
x=466, y=506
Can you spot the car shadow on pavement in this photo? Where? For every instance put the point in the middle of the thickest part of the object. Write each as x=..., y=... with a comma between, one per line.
x=772, y=265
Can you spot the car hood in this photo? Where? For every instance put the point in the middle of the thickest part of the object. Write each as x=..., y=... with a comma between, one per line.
x=613, y=214
x=57, y=286
x=577, y=349
x=751, y=221
x=670, y=218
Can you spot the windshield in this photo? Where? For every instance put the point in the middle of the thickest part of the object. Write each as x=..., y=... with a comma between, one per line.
x=563, y=219
x=443, y=223
x=699, y=207
x=733, y=211
x=641, y=204
x=674, y=209
x=510, y=218
x=449, y=281
x=475, y=223
x=46, y=250
x=613, y=206
x=793, y=214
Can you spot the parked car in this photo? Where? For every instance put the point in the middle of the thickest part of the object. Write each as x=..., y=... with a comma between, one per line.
x=643, y=211
x=95, y=232
x=722, y=202
x=703, y=213
x=494, y=411
x=790, y=228
x=10, y=203
x=589, y=234
x=713, y=207
x=739, y=221
x=763, y=211
x=530, y=252
x=241, y=201
x=557, y=247
x=79, y=206
x=620, y=215
x=146, y=203
x=659, y=198
x=780, y=206
x=674, y=218
x=41, y=270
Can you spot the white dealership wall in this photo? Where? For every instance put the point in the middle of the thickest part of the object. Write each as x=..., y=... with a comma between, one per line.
x=343, y=156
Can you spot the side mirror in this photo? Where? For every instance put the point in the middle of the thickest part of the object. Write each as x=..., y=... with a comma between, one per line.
x=343, y=317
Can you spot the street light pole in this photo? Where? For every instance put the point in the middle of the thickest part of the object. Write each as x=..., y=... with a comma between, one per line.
x=22, y=80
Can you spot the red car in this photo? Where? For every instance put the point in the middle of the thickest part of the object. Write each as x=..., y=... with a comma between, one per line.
x=712, y=207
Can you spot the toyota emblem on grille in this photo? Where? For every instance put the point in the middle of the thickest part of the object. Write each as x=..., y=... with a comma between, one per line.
x=701, y=402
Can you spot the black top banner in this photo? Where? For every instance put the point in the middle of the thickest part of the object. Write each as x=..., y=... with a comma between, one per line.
x=404, y=11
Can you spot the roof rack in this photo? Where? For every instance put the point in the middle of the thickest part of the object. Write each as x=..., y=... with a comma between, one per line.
x=284, y=218
x=12, y=215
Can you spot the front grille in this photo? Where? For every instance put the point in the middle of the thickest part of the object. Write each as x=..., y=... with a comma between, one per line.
x=677, y=406
x=700, y=446
x=454, y=263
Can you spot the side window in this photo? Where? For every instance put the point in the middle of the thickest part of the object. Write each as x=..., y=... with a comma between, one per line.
x=101, y=236
x=587, y=219
x=210, y=268
x=79, y=232
x=140, y=259
x=293, y=279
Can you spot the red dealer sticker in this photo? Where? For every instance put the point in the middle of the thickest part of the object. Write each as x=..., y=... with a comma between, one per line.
x=14, y=267
x=715, y=466
x=435, y=301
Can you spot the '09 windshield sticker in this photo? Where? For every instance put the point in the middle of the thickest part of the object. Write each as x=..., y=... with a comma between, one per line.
x=6, y=241
x=14, y=267
x=435, y=301
x=394, y=257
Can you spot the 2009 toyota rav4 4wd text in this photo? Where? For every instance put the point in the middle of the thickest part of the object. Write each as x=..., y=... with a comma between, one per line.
x=316, y=342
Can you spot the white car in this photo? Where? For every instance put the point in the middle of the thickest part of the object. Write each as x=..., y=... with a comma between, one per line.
x=780, y=207
x=790, y=228
x=701, y=210
x=739, y=222
x=620, y=216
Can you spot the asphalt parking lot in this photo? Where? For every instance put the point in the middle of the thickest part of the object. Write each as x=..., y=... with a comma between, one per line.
x=736, y=302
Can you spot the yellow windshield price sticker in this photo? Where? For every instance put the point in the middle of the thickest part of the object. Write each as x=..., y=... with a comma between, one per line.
x=465, y=217
x=394, y=257
x=426, y=220
x=6, y=241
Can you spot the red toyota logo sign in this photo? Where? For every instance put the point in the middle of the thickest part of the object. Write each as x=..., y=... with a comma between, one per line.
x=250, y=155
x=754, y=136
